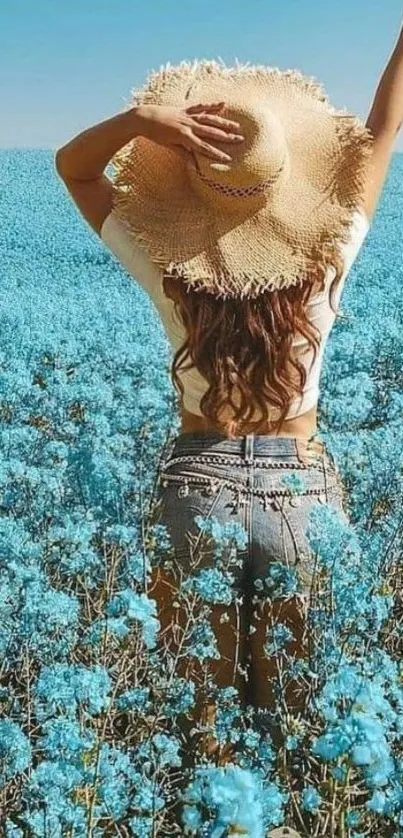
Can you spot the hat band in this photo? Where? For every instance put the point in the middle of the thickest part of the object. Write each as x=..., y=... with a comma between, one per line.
x=240, y=191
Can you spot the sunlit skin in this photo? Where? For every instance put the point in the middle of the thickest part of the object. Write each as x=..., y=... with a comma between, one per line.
x=302, y=427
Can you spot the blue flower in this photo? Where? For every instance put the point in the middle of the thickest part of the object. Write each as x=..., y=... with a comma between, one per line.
x=139, y=607
x=238, y=798
x=66, y=688
x=202, y=642
x=147, y=796
x=311, y=799
x=191, y=817
x=280, y=580
x=167, y=748
x=141, y=826
x=224, y=536
x=116, y=628
x=180, y=696
x=138, y=698
x=294, y=482
x=15, y=750
x=65, y=737
x=291, y=742
x=378, y=802
x=278, y=637
x=13, y=831
x=352, y=818
x=211, y=584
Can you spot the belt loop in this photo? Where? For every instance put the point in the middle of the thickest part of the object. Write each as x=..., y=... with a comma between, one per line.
x=305, y=449
x=249, y=448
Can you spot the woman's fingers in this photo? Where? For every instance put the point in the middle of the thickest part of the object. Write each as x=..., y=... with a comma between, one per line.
x=217, y=134
x=219, y=121
x=194, y=143
x=197, y=108
x=205, y=122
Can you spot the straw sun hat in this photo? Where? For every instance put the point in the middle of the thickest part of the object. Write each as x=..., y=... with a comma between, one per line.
x=265, y=219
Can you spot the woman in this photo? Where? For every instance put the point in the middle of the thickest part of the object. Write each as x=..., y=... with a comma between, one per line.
x=240, y=203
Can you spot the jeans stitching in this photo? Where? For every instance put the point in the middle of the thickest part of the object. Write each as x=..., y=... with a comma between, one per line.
x=183, y=550
x=236, y=485
x=299, y=548
x=205, y=459
x=249, y=461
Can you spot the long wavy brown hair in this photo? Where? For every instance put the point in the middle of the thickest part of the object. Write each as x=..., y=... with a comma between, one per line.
x=245, y=346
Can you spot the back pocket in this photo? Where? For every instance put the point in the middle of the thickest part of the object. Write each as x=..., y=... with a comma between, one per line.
x=181, y=497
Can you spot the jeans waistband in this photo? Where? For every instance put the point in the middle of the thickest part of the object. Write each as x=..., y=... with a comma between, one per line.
x=247, y=446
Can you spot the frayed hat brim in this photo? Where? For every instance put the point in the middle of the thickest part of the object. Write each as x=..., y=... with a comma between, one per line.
x=235, y=247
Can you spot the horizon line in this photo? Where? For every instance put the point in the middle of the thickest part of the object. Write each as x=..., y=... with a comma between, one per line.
x=54, y=148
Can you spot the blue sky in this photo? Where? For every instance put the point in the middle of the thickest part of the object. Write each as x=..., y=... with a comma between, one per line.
x=65, y=66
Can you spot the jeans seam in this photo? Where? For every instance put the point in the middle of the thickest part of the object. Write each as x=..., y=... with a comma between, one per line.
x=299, y=548
x=233, y=484
x=205, y=459
x=208, y=516
x=249, y=461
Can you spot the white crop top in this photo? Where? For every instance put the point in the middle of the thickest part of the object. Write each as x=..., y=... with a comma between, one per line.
x=137, y=263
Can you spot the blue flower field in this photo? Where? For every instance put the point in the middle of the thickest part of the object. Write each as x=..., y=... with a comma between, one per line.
x=93, y=703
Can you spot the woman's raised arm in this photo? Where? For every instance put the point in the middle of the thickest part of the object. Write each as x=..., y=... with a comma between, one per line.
x=385, y=120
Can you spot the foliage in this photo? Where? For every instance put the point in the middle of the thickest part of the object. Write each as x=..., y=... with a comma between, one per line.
x=94, y=701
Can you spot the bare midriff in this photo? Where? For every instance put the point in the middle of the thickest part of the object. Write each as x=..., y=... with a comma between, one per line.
x=302, y=427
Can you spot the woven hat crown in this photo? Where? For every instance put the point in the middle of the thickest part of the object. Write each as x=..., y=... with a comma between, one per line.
x=259, y=164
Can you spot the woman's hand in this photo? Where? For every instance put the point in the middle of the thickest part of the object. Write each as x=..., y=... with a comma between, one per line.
x=190, y=128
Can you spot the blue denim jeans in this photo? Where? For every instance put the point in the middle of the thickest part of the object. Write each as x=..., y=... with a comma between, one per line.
x=248, y=481
x=242, y=481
